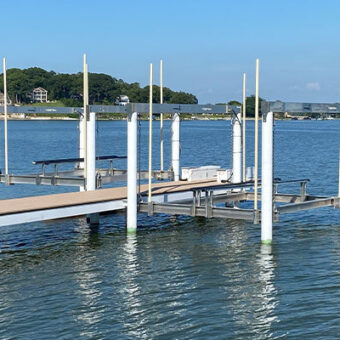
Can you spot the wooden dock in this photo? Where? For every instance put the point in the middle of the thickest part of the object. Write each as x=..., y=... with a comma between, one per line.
x=194, y=198
x=37, y=208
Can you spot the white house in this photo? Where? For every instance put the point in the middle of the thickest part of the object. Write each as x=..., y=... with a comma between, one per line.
x=39, y=95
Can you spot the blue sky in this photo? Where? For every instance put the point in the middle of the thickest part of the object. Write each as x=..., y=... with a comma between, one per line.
x=205, y=45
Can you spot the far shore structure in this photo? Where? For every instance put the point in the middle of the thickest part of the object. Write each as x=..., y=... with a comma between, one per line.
x=208, y=191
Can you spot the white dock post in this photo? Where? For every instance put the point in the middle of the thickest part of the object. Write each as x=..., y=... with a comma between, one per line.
x=267, y=178
x=5, y=113
x=85, y=111
x=237, y=148
x=81, y=140
x=132, y=173
x=150, y=138
x=175, y=145
x=91, y=153
x=81, y=145
x=256, y=143
x=93, y=219
x=161, y=117
x=244, y=128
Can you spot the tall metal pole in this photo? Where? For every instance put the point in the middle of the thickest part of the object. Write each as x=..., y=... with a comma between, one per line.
x=5, y=112
x=244, y=127
x=85, y=111
x=161, y=118
x=150, y=134
x=256, y=134
x=132, y=173
x=267, y=178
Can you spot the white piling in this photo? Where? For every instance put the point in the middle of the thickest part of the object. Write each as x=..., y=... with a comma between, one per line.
x=161, y=118
x=81, y=146
x=150, y=137
x=132, y=173
x=5, y=112
x=91, y=153
x=244, y=127
x=267, y=179
x=85, y=111
x=256, y=136
x=175, y=146
x=339, y=176
x=81, y=140
x=237, y=148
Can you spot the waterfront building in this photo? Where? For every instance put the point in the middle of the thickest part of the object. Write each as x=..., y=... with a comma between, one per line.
x=39, y=94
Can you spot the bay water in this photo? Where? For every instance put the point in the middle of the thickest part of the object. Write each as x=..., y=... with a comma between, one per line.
x=177, y=278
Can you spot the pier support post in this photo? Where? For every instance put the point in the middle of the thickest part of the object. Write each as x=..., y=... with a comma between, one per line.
x=267, y=178
x=132, y=173
x=81, y=140
x=81, y=145
x=91, y=153
x=175, y=146
x=237, y=148
x=93, y=219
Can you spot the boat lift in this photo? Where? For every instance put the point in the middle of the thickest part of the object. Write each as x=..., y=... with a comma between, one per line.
x=177, y=198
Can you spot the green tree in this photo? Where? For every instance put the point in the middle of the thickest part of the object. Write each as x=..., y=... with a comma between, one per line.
x=68, y=88
x=234, y=102
x=250, y=105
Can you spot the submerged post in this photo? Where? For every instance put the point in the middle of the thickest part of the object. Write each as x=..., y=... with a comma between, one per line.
x=175, y=146
x=132, y=173
x=5, y=113
x=267, y=178
x=91, y=153
x=237, y=148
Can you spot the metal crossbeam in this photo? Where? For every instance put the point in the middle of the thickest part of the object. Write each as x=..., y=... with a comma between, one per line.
x=132, y=107
x=286, y=198
x=300, y=108
x=75, y=160
x=317, y=203
x=42, y=180
x=182, y=209
x=75, y=177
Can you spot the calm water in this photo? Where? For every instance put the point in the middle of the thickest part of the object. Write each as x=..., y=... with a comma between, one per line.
x=178, y=278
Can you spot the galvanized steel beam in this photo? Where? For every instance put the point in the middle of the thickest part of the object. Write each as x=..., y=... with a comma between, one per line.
x=294, y=207
x=181, y=209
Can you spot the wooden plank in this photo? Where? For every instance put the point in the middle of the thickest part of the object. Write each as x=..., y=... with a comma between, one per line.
x=27, y=204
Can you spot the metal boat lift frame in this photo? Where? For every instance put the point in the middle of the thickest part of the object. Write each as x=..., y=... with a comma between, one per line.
x=200, y=201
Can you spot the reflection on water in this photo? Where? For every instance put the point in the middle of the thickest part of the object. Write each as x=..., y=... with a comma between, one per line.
x=130, y=291
x=267, y=296
x=88, y=283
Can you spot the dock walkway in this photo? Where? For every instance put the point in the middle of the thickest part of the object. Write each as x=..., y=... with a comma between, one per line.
x=37, y=208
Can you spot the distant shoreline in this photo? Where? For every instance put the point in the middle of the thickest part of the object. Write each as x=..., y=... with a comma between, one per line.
x=145, y=118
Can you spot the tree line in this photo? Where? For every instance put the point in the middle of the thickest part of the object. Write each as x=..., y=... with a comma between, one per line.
x=68, y=88
x=250, y=105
